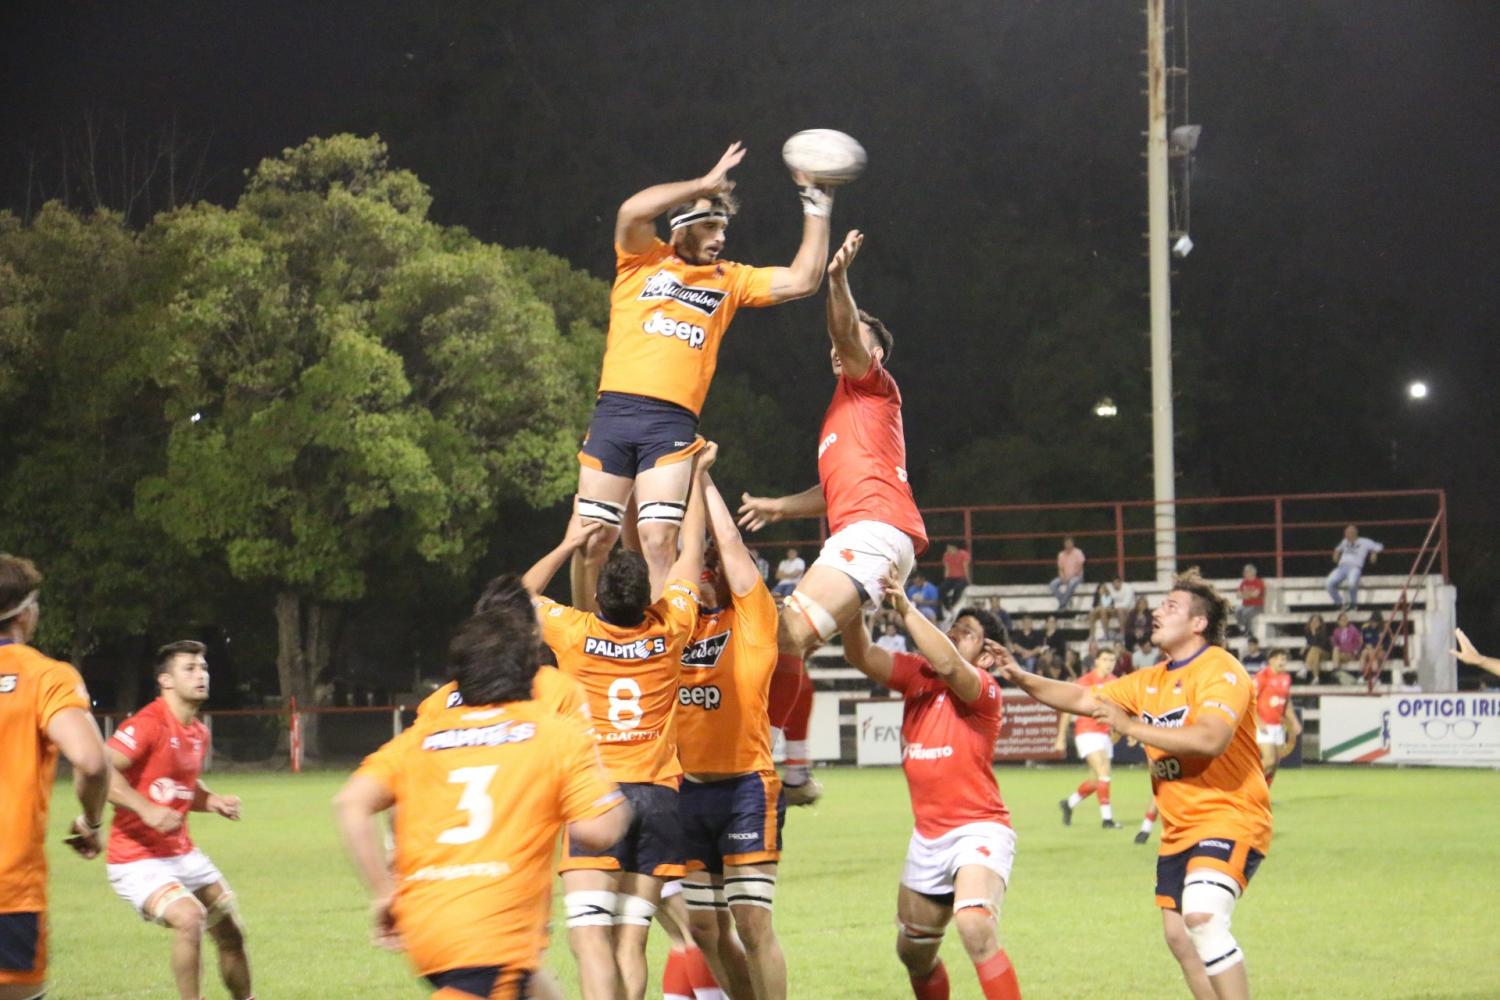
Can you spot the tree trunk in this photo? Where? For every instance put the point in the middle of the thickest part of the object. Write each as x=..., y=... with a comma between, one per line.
x=304, y=646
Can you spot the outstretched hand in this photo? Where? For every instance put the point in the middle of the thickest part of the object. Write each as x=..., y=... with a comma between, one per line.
x=757, y=512
x=893, y=592
x=716, y=181
x=1466, y=651
x=844, y=256
x=580, y=532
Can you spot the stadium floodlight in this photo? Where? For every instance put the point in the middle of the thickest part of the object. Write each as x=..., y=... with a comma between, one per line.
x=1184, y=139
x=1417, y=390
x=1106, y=408
x=196, y=417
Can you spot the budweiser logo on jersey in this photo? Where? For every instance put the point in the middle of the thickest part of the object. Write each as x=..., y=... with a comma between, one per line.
x=705, y=652
x=483, y=736
x=689, y=333
x=1174, y=719
x=639, y=649
x=916, y=751
x=702, y=695
x=663, y=285
x=165, y=791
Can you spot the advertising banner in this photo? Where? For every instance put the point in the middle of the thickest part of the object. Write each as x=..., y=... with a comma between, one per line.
x=877, y=726
x=1461, y=730
x=1028, y=731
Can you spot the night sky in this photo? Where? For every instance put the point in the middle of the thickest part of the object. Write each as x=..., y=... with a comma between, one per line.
x=1346, y=181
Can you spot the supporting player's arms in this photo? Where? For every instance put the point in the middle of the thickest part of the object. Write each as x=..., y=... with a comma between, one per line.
x=601, y=832
x=961, y=676
x=75, y=734
x=864, y=656
x=122, y=796
x=805, y=274
x=1209, y=736
x=540, y=575
x=843, y=314
x=354, y=810
x=740, y=570
x=689, y=564
x=1061, y=695
x=757, y=512
x=635, y=224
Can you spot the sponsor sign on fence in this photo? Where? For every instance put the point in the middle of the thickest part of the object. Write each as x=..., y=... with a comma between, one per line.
x=877, y=727
x=1028, y=730
x=1440, y=728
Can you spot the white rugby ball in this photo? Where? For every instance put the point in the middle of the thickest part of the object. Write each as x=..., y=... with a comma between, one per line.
x=826, y=155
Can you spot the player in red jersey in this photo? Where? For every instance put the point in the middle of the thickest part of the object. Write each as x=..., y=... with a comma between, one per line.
x=959, y=859
x=1276, y=724
x=1095, y=745
x=44, y=709
x=157, y=755
x=876, y=530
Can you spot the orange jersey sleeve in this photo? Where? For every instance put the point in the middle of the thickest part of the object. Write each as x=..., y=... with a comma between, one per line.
x=667, y=319
x=33, y=689
x=481, y=796
x=723, y=720
x=562, y=695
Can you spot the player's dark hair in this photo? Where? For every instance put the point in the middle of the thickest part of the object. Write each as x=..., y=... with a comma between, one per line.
x=883, y=337
x=493, y=656
x=1207, y=602
x=624, y=590
x=987, y=622
x=164, y=655
x=505, y=590
x=18, y=577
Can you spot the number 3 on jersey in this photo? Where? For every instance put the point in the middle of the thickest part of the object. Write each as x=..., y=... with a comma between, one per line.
x=625, y=703
x=475, y=801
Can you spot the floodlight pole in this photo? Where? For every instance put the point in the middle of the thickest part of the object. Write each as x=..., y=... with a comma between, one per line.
x=1163, y=460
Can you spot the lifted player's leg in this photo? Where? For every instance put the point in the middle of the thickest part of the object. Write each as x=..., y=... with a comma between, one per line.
x=750, y=891
x=713, y=931
x=635, y=906
x=602, y=497
x=661, y=494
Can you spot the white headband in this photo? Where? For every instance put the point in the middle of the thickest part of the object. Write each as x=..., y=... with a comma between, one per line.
x=27, y=602
x=688, y=218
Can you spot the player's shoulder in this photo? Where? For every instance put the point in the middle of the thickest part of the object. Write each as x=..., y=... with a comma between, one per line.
x=19, y=658
x=657, y=250
x=1217, y=659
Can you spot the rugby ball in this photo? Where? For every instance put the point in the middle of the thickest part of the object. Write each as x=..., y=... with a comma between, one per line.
x=825, y=155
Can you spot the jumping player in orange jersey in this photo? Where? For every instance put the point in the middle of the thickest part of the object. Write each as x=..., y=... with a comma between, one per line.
x=669, y=310
x=1095, y=745
x=483, y=788
x=862, y=487
x=1194, y=713
x=1276, y=724
x=156, y=757
x=731, y=804
x=628, y=659
x=44, y=709
x=959, y=860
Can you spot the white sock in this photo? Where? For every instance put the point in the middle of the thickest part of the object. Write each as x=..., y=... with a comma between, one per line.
x=1146, y=825
x=1073, y=800
x=707, y=993
x=1107, y=812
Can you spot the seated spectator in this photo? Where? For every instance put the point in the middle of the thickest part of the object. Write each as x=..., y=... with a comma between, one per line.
x=789, y=573
x=1138, y=619
x=1121, y=594
x=1070, y=562
x=761, y=565
x=1255, y=657
x=1377, y=645
x=923, y=595
x=957, y=575
x=1350, y=555
x=1102, y=610
x=1252, y=593
x=1071, y=665
x=1319, y=646
x=891, y=640
x=1027, y=644
x=1347, y=642
x=1123, y=663
x=1057, y=643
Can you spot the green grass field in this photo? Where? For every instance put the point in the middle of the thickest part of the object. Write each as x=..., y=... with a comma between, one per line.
x=1380, y=884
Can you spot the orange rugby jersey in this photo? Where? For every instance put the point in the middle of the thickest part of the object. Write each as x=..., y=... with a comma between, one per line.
x=481, y=796
x=33, y=689
x=561, y=695
x=630, y=676
x=723, y=721
x=667, y=319
x=1201, y=797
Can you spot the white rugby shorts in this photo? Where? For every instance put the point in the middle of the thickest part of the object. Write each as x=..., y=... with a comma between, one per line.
x=137, y=881
x=932, y=863
x=865, y=551
x=1272, y=735
x=1087, y=743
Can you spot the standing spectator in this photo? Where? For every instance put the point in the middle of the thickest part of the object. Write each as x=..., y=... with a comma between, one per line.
x=1347, y=642
x=891, y=640
x=789, y=573
x=763, y=567
x=1319, y=645
x=1255, y=657
x=958, y=573
x=1070, y=562
x=923, y=595
x=1027, y=644
x=1252, y=597
x=1350, y=555
x=1057, y=643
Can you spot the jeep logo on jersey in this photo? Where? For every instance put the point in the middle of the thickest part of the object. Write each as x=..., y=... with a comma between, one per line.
x=702, y=695
x=640, y=649
x=1166, y=769
x=705, y=652
x=689, y=333
x=1174, y=719
x=662, y=285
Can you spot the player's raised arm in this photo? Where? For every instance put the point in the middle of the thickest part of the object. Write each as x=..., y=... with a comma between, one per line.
x=740, y=571
x=961, y=676
x=540, y=575
x=866, y=657
x=689, y=564
x=76, y=736
x=1061, y=695
x=635, y=224
x=843, y=314
x=803, y=276
x=757, y=512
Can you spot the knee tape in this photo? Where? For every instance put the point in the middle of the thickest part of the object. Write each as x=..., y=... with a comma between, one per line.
x=633, y=910
x=661, y=512
x=590, y=908
x=750, y=890
x=1213, y=893
x=810, y=611
x=164, y=900
x=919, y=933
x=703, y=896
x=978, y=903
x=601, y=510
x=226, y=907
x=671, y=889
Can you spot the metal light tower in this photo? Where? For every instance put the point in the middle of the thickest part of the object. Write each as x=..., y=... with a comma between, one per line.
x=1163, y=462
